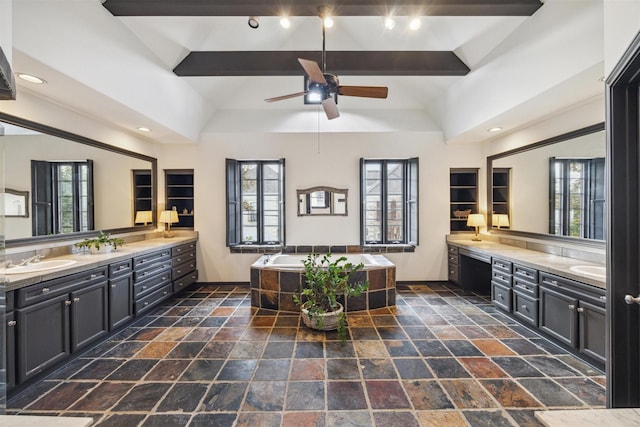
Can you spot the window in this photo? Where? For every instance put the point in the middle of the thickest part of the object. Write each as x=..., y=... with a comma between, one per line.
x=255, y=202
x=577, y=197
x=389, y=201
x=62, y=197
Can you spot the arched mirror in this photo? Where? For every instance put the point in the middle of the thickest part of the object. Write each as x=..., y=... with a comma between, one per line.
x=322, y=201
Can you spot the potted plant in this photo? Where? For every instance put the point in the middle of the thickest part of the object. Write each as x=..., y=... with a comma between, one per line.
x=103, y=243
x=325, y=281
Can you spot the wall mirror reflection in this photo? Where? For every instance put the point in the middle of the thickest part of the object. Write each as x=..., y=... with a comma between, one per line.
x=14, y=203
x=322, y=201
x=78, y=185
x=553, y=187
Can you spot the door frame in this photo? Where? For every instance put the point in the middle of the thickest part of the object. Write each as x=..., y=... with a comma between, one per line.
x=623, y=237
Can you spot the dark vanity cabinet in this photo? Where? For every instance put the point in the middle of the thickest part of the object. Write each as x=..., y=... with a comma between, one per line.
x=574, y=314
x=184, y=271
x=501, y=292
x=525, y=294
x=151, y=280
x=57, y=317
x=10, y=337
x=120, y=293
x=454, y=272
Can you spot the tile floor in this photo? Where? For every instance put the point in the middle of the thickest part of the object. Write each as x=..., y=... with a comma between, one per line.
x=208, y=359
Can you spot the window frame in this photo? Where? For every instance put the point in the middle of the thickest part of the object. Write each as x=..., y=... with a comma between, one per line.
x=410, y=202
x=234, y=205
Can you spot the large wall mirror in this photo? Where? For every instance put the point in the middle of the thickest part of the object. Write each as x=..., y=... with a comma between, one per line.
x=555, y=187
x=322, y=201
x=75, y=185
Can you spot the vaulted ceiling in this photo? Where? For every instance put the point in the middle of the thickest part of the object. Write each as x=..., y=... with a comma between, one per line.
x=191, y=67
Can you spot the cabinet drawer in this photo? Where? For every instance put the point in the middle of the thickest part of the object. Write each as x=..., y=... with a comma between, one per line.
x=152, y=299
x=50, y=288
x=144, y=261
x=120, y=268
x=183, y=269
x=453, y=273
x=184, y=257
x=501, y=265
x=152, y=271
x=527, y=274
x=525, y=287
x=179, y=250
x=185, y=281
x=501, y=278
x=142, y=288
x=572, y=288
x=525, y=308
x=453, y=259
x=501, y=296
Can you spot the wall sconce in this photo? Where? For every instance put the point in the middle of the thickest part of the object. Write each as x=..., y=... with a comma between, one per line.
x=168, y=217
x=500, y=220
x=143, y=217
x=476, y=220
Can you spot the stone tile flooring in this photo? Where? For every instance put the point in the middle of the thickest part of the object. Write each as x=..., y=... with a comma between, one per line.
x=208, y=359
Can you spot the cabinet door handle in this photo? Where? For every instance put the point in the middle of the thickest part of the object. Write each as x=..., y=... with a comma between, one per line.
x=580, y=309
x=144, y=287
x=93, y=276
x=554, y=282
x=524, y=307
x=12, y=323
x=146, y=303
x=572, y=307
x=630, y=299
x=114, y=286
x=76, y=299
x=45, y=290
x=122, y=267
x=500, y=296
x=164, y=293
x=67, y=302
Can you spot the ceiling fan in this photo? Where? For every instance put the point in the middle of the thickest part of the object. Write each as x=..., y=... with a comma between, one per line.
x=326, y=87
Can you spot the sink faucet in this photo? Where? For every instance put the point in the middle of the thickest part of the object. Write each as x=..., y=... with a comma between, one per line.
x=31, y=260
x=8, y=264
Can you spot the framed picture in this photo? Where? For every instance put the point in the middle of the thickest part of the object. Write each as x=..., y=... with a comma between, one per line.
x=14, y=203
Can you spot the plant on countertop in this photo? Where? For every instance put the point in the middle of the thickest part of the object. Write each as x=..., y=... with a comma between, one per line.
x=102, y=240
x=325, y=281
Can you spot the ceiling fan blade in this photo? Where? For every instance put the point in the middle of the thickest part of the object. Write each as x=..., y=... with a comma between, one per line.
x=283, y=97
x=330, y=108
x=313, y=71
x=364, y=91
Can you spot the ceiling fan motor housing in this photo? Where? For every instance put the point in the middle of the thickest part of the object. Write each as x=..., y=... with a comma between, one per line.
x=323, y=91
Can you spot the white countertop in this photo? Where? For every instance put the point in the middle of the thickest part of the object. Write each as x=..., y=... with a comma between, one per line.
x=41, y=421
x=555, y=264
x=623, y=417
x=85, y=261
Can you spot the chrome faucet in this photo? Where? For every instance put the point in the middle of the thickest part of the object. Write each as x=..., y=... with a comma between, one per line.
x=31, y=260
x=8, y=264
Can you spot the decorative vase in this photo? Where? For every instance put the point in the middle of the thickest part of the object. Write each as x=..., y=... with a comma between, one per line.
x=322, y=322
x=103, y=249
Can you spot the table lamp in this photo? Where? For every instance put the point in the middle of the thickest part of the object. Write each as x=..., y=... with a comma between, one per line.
x=143, y=217
x=500, y=220
x=476, y=220
x=168, y=217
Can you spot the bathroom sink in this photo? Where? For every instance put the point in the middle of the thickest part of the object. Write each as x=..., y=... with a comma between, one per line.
x=590, y=270
x=38, y=266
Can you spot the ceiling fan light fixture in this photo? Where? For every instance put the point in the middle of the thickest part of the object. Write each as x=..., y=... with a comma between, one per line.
x=285, y=22
x=389, y=23
x=253, y=22
x=415, y=24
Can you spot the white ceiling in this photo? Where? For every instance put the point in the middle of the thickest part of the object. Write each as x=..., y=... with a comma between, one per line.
x=119, y=69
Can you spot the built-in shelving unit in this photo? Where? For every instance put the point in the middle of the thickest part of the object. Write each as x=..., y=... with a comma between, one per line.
x=463, y=197
x=179, y=195
x=501, y=192
x=142, y=191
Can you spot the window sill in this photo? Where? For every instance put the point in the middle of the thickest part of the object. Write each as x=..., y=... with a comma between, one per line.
x=255, y=249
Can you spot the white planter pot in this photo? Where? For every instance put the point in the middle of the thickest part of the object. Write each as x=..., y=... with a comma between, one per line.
x=104, y=249
x=322, y=322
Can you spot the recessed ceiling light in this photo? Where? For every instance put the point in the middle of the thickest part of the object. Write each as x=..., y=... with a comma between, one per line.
x=31, y=78
x=415, y=24
x=495, y=129
x=253, y=22
x=285, y=22
x=389, y=23
x=328, y=22
x=144, y=129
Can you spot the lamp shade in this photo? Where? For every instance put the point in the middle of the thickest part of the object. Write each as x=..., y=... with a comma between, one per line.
x=143, y=217
x=500, y=220
x=476, y=220
x=168, y=217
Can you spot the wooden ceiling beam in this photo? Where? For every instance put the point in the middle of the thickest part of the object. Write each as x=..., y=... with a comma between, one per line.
x=310, y=7
x=341, y=63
